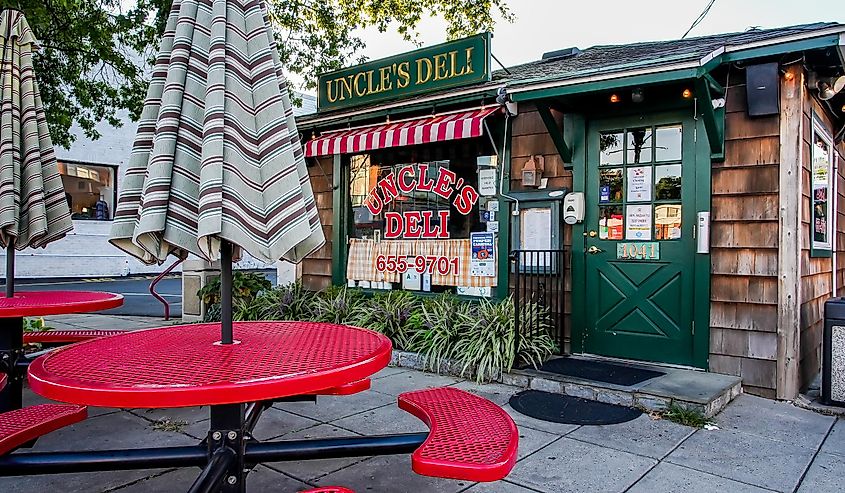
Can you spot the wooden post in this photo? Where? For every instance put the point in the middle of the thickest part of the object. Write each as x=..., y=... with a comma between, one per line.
x=789, y=246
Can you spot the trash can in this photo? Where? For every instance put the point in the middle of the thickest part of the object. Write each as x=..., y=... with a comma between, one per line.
x=833, y=353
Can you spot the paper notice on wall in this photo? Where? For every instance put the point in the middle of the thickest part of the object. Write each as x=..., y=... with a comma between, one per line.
x=638, y=222
x=535, y=229
x=487, y=182
x=493, y=226
x=483, y=257
x=639, y=184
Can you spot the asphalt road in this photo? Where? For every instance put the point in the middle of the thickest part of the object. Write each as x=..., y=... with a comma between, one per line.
x=137, y=299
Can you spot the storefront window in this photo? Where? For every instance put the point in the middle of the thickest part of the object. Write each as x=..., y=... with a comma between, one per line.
x=89, y=190
x=822, y=157
x=423, y=224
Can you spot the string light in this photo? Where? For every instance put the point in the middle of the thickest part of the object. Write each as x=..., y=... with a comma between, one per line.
x=614, y=98
x=687, y=94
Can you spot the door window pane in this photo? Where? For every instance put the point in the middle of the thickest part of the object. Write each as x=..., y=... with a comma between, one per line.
x=611, y=148
x=668, y=143
x=667, y=222
x=667, y=182
x=639, y=145
x=610, y=185
x=611, y=224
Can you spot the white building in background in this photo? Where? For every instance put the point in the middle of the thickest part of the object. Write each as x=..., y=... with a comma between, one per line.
x=92, y=172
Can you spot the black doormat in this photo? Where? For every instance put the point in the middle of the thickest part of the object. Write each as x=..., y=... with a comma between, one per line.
x=570, y=410
x=599, y=371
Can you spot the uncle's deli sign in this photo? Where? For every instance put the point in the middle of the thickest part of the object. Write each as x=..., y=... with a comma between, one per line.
x=456, y=63
x=420, y=224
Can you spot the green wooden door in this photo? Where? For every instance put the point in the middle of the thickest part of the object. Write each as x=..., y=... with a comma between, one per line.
x=639, y=246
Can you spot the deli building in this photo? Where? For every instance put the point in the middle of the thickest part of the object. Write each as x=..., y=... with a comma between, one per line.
x=675, y=202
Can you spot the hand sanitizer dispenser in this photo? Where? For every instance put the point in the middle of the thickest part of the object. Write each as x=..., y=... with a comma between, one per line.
x=573, y=207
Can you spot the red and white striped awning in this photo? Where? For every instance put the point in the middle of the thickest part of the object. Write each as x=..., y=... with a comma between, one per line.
x=452, y=126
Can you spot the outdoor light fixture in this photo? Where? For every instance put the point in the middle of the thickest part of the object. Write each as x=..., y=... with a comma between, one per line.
x=827, y=86
x=637, y=95
x=614, y=98
x=788, y=75
x=686, y=94
x=532, y=171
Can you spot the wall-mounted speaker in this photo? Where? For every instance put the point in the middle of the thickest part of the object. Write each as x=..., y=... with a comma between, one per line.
x=761, y=88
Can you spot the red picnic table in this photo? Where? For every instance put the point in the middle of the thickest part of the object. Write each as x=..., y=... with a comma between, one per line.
x=470, y=438
x=37, y=303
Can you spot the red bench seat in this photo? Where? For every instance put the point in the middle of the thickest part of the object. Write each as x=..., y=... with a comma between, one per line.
x=20, y=426
x=329, y=489
x=2, y=381
x=66, y=336
x=471, y=438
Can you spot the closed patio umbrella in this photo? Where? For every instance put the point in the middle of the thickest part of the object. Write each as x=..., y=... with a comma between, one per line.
x=33, y=207
x=217, y=166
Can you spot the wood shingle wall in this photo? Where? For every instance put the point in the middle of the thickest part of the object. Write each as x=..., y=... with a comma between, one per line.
x=531, y=138
x=816, y=272
x=744, y=247
x=316, y=269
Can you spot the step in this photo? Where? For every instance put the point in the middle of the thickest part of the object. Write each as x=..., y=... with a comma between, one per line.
x=705, y=392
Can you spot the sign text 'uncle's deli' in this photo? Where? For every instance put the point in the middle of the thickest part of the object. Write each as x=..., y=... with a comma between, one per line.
x=420, y=224
x=452, y=64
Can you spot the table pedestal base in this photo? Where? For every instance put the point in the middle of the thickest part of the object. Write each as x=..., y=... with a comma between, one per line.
x=11, y=350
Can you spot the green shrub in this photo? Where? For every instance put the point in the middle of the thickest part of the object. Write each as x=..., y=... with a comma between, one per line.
x=537, y=345
x=34, y=325
x=394, y=314
x=339, y=305
x=212, y=313
x=442, y=321
x=289, y=302
x=245, y=285
x=487, y=345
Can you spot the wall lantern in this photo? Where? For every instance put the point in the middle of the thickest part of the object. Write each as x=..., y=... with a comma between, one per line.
x=637, y=95
x=614, y=98
x=532, y=171
x=827, y=86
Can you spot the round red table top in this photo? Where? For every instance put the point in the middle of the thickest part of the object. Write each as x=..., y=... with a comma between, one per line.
x=185, y=365
x=40, y=303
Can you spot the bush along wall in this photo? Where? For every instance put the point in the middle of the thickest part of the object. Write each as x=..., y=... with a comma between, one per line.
x=447, y=333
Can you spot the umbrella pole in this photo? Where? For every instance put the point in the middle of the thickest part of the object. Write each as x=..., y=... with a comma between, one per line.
x=226, y=292
x=10, y=270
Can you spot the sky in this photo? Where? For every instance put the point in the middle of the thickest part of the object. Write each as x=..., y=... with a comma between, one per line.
x=548, y=25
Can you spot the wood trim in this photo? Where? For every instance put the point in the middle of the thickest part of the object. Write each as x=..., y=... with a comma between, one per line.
x=789, y=246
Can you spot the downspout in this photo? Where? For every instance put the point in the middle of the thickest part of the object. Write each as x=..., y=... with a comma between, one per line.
x=835, y=227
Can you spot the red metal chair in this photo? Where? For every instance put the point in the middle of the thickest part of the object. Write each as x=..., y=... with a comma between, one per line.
x=329, y=489
x=471, y=438
x=21, y=426
x=3, y=378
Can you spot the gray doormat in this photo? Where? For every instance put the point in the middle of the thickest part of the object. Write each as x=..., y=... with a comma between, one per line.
x=599, y=371
x=567, y=409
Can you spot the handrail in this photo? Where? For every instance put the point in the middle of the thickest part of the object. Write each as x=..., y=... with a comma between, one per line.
x=158, y=296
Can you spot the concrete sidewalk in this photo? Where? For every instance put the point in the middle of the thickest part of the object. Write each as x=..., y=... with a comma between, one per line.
x=761, y=446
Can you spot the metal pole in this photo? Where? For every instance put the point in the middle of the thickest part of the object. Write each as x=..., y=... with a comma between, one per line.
x=332, y=448
x=10, y=269
x=215, y=472
x=11, y=350
x=27, y=464
x=226, y=292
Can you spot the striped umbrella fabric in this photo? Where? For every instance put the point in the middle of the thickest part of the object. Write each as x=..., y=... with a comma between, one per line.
x=217, y=155
x=33, y=208
x=452, y=126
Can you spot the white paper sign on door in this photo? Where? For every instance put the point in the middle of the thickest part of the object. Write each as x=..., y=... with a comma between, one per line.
x=638, y=222
x=639, y=184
